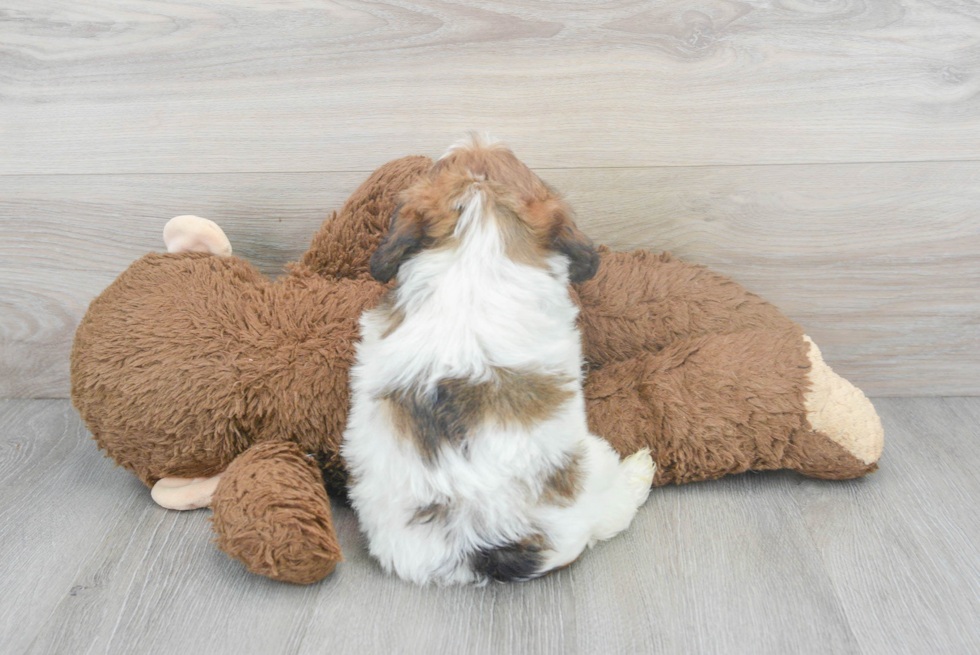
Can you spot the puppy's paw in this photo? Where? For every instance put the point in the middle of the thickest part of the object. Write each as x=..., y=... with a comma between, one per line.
x=638, y=470
x=195, y=234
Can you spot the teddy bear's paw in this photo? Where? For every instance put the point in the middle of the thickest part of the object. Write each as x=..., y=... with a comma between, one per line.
x=272, y=513
x=195, y=234
x=184, y=493
x=638, y=470
x=841, y=411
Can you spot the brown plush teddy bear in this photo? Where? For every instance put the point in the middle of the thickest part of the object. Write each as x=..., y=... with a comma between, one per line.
x=215, y=385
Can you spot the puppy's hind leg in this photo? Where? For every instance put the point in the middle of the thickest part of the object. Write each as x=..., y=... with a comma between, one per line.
x=610, y=494
x=628, y=490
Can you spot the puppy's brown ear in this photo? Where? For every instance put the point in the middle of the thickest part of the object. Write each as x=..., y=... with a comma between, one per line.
x=552, y=217
x=405, y=238
x=581, y=252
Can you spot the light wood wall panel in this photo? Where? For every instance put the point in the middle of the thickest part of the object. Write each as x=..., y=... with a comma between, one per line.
x=132, y=86
x=880, y=262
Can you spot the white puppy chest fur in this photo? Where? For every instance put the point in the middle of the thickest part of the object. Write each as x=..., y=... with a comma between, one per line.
x=467, y=442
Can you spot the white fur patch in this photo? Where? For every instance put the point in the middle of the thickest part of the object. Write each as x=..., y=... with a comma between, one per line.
x=470, y=141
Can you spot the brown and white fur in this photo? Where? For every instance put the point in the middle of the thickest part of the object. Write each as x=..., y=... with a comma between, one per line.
x=467, y=442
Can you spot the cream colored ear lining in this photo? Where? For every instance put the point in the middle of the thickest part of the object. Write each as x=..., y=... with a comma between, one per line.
x=840, y=410
x=195, y=234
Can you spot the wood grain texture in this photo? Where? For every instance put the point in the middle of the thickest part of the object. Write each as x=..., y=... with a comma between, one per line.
x=880, y=263
x=66, y=238
x=900, y=547
x=631, y=595
x=758, y=563
x=132, y=86
x=59, y=502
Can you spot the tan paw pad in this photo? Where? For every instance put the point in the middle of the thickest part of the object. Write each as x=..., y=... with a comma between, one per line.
x=840, y=410
x=195, y=234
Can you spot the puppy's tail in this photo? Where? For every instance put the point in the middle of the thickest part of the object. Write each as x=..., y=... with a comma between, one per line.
x=512, y=562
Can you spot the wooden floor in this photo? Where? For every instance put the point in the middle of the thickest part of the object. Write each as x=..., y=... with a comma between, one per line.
x=758, y=563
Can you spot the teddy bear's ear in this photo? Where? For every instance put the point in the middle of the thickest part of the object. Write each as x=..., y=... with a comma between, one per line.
x=405, y=237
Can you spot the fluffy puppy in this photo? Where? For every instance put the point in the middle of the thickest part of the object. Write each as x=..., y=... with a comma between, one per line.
x=467, y=442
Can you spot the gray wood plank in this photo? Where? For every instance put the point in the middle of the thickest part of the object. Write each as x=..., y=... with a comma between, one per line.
x=715, y=567
x=160, y=586
x=134, y=86
x=901, y=545
x=879, y=262
x=59, y=499
x=768, y=563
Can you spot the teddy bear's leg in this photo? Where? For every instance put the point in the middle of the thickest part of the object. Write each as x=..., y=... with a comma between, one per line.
x=641, y=302
x=184, y=493
x=345, y=242
x=195, y=234
x=840, y=412
x=728, y=403
x=271, y=512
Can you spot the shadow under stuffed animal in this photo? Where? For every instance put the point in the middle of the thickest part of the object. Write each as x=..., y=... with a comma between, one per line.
x=218, y=386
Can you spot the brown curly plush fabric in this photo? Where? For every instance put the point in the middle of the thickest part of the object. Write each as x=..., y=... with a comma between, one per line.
x=640, y=302
x=186, y=360
x=709, y=376
x=711, y=420
x=271, y=512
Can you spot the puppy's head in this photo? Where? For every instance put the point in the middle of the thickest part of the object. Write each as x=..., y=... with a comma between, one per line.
x=483, y=181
